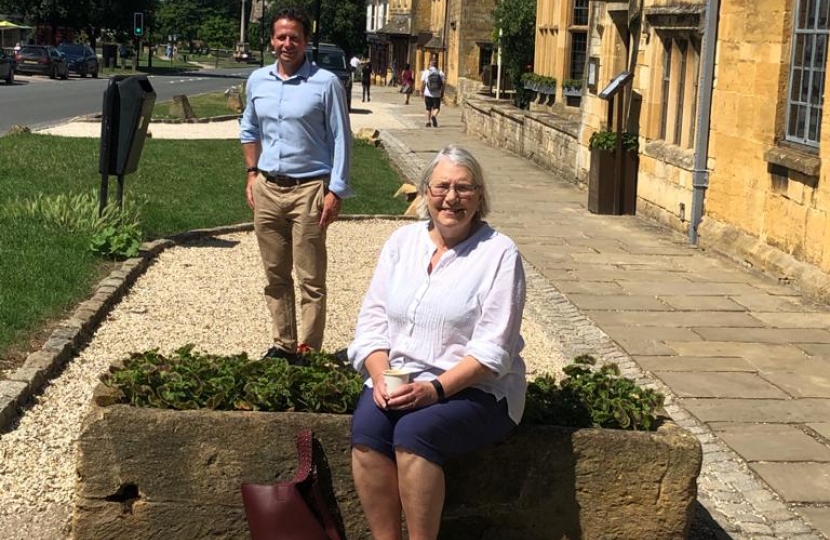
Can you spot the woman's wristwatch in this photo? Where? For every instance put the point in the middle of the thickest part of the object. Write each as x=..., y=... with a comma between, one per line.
x=439, y=389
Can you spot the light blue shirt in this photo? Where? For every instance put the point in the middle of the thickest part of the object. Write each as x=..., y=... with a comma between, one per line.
x=302, y=124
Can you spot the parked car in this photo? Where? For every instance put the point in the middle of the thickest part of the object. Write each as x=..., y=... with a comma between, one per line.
x=42, y=60
x=6, y=67
x=81, y=59
x=332, y=58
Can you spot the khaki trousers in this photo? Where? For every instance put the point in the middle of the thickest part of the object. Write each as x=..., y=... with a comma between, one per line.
x=286, y=222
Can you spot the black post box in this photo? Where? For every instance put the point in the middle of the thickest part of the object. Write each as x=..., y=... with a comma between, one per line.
x=128, y=105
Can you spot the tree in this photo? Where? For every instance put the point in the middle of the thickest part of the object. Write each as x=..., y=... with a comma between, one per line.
x=219, y=32
x=342, y=22
x=517, y=21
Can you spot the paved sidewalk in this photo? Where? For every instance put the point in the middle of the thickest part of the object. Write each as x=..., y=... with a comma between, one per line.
x=745, y=361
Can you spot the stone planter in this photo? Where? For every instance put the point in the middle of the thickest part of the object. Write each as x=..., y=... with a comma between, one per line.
x=572, y=96
x=146, y=473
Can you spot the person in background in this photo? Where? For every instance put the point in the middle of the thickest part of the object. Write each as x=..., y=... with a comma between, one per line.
x=296, y=141
x=445, y=305
x=407, y=82
x=393, y=67
x=432, y=87
x=366, y=81
x=355, y=64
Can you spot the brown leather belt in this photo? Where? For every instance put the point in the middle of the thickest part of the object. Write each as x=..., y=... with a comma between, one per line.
x=288, y=181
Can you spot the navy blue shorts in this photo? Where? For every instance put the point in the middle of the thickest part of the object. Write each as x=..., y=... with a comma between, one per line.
x=468, y=421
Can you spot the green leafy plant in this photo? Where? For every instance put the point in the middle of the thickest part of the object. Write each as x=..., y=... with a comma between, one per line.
x=590, y=397
x=191, y=380
x=539, y=80
x=607, y=140
x=574, y=84
x=116, y=233
x=118, y=241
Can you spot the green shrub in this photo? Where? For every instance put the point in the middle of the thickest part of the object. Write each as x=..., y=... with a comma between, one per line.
x=592, y=398
x=191, y=380
x=575, y=84
x=607, y=140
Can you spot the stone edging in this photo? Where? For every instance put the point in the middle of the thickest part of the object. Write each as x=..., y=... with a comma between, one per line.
x=74, y=332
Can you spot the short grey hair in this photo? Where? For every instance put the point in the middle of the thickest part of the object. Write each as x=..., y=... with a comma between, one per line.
x=463, y=158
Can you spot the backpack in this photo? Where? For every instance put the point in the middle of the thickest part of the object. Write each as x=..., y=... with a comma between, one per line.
x=434, y=82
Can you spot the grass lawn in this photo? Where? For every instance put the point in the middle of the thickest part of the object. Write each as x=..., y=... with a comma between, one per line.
x=204, y=106
x=187, y=184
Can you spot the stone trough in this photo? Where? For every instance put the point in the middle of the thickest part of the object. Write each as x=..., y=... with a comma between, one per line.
x=147, y=473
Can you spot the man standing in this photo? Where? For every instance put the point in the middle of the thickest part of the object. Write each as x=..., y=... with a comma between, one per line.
x=432, y=87
x=296, y=141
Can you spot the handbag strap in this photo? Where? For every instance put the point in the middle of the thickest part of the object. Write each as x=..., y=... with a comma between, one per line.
x=305, y=467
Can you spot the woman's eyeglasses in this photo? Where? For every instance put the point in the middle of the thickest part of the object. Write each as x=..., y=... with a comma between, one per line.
x=462, y=191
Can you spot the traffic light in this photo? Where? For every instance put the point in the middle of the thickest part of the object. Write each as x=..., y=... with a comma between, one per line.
x=138, y=24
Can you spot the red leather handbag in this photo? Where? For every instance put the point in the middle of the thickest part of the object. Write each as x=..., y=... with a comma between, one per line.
x=295, y=510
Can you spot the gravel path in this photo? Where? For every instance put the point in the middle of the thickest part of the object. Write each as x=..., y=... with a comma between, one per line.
x=209, y=294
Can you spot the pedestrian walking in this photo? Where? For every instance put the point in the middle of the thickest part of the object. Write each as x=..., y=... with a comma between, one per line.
x=296, y=141
x=407, y=82
x=432, y=87
x=366, y=81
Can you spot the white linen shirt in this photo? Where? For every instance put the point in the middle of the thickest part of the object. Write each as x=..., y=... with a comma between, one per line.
x=470, y=305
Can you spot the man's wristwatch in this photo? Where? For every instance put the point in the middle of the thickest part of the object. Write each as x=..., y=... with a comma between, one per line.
x=251, y=169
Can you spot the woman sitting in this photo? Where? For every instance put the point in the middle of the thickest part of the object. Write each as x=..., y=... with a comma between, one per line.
x=445, y=304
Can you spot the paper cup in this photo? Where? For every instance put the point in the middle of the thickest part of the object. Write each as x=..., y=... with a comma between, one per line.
x=395, y=378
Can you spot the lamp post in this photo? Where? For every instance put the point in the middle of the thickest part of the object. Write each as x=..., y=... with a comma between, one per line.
x=262, y=36
x=315, y=43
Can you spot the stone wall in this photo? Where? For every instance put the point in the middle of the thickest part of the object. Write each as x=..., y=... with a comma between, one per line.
x=147, y=473
x=545, y=138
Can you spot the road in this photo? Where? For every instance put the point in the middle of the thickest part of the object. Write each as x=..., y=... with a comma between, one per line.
x=39, y=102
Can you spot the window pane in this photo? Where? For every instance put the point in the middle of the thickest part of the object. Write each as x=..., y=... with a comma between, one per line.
x=820, y=51
x=580, y=12
x=796, y=84
x=579, y=47
x=803, y=6
x=823, y=13
x=811, y=13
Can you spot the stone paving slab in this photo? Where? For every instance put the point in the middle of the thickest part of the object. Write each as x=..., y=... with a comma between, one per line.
x=762, y=302
x=676, y=319
x=593, y=287
x=772, y=442
x=740, y=349
x=765, y=335
x=689, y=289
x=623, y=302
x=719, y=385
x=801, y=383
x=702, y=303
x=818, y=516
x=822, y=429
x=694, y=363
x=797, y=482
x=815, y=349
x=790, y=411
x=795, y=319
